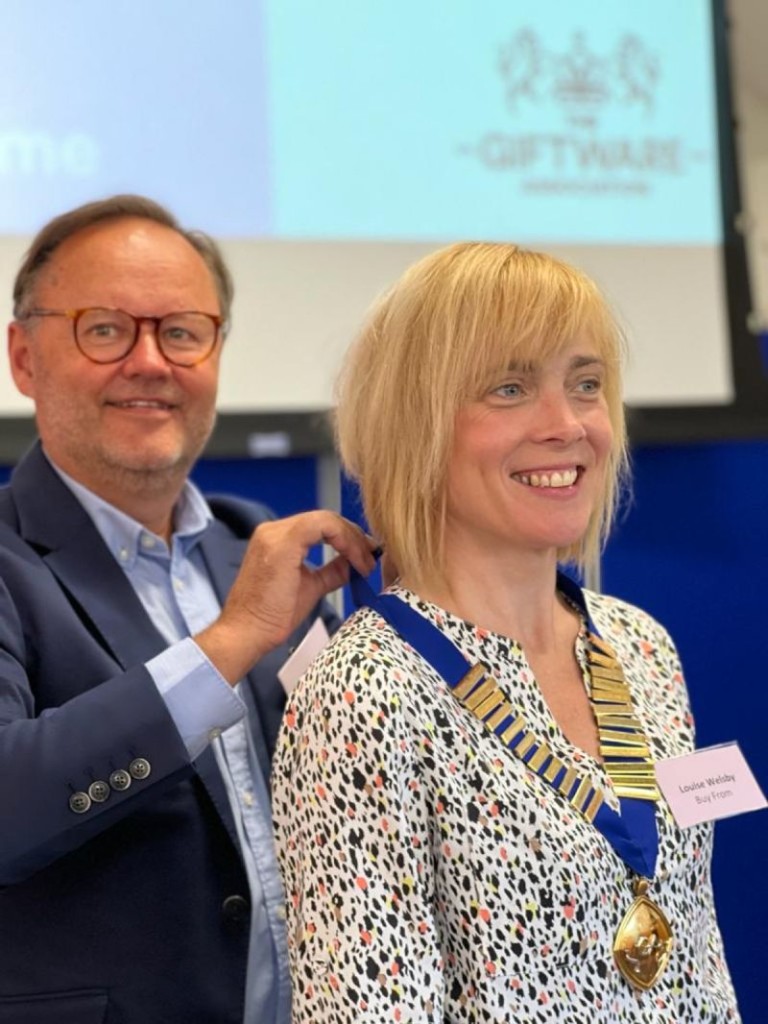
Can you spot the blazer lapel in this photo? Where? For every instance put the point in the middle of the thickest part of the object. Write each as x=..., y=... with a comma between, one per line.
x=54, y=522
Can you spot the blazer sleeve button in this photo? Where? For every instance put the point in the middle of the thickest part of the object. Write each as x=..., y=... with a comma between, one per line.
x=79, y=802
x=140, y=768
x=98, y=791
x=120, y=780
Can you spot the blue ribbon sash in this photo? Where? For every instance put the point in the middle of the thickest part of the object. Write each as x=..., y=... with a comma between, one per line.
x=632, y=832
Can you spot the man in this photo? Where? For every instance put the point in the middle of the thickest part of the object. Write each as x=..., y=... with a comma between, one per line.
x=140, y=634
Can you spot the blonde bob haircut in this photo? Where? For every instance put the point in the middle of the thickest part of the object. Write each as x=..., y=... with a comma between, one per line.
x=438, y=339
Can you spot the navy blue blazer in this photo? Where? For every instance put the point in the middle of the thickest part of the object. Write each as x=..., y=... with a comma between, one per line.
x=122, y=914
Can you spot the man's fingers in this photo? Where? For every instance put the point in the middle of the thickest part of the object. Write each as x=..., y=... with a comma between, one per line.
x=332, y=575
x=356, y=549
x=297, y=534
x=345, y=537
x=354, y=544
x=276, y=588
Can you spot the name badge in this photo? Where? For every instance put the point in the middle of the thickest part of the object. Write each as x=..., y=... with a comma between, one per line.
x=715, y=782
x=297, y=664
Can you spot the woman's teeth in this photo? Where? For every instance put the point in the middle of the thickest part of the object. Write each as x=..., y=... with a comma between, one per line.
x=559, y=478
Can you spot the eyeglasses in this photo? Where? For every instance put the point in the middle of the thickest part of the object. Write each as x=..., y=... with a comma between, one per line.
x=108, y=335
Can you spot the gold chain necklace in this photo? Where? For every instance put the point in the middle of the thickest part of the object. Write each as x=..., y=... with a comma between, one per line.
x=643, y=940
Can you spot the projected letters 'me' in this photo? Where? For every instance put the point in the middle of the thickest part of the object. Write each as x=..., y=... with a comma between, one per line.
x=26, y=154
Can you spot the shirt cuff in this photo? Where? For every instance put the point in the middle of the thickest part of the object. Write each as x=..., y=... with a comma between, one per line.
x=200, y=701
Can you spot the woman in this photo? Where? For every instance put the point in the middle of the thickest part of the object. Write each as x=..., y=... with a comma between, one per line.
x=464, y=794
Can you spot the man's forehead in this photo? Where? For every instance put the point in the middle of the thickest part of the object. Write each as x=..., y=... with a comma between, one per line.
x=121, y=233
x=120, y=250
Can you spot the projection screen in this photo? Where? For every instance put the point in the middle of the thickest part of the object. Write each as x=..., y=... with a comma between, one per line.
x=329, y=145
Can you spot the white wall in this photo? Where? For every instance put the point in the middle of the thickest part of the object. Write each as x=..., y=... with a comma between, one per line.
x=748, y=38
x=752, y=142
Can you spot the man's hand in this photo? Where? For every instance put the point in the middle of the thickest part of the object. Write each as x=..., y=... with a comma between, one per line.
x=275, y=589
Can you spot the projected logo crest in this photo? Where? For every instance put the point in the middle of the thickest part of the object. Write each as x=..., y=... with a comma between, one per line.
x=580, y=79
x=582, y=118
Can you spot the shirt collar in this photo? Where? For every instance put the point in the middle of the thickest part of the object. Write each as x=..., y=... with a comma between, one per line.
x=126, y=538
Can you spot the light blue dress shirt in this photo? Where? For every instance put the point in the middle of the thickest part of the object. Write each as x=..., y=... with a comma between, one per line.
x=175, y=589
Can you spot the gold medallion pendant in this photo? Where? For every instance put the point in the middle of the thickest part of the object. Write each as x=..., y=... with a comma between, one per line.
x=643, y=941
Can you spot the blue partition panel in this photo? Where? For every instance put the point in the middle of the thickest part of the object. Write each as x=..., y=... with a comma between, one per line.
x=693, y=551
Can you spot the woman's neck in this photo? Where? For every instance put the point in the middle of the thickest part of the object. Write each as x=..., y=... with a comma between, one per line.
x=512, y=593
